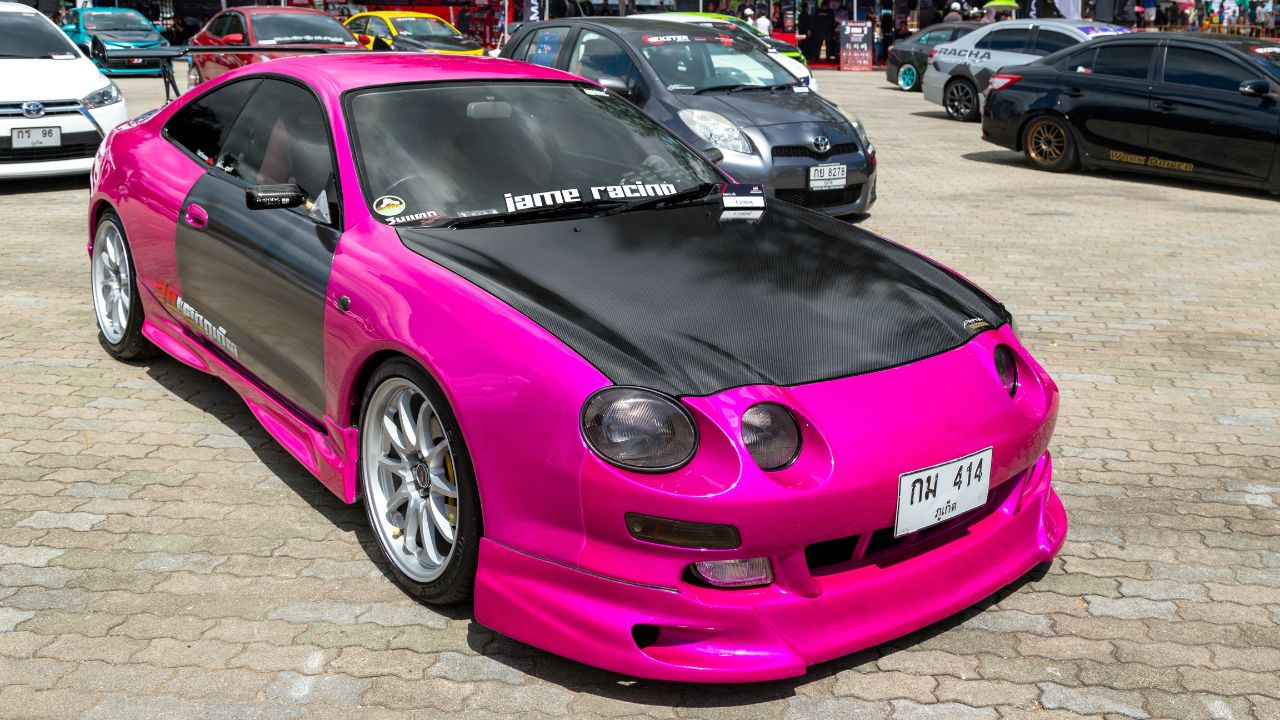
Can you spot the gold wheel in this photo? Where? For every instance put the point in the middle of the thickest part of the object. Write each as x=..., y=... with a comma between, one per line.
x=1046, y=142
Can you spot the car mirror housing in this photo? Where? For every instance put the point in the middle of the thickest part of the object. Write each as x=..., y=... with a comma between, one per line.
x=1256, y=88
x=233, y=39
x=615, y=85
x=268, y=197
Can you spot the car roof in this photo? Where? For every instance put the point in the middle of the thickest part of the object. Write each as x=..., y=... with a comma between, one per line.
x=391, y=14
x=1028, y=22
x=1204, y=38
x=108, y=9
x=274, y=9
x=633, y=25
x=336, y=73
x=13, y=7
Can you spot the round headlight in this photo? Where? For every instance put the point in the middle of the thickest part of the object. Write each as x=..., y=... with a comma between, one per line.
x=639, y=429
x=771, y=435
x=1007, y=369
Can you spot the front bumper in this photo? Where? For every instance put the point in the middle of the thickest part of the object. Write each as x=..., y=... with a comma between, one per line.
x=776, y=632
x=82, y=132
x=786, y=177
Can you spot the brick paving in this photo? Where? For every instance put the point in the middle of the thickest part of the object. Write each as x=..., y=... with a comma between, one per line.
x=161, y=557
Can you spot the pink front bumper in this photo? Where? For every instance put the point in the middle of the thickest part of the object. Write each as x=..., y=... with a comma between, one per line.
x=743, y=636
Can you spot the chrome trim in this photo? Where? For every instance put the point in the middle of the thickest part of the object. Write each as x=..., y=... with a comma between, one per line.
x=51, y=107
x=85, y=112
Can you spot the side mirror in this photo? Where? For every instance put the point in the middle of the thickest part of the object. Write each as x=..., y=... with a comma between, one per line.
x=615, y=85
x=1255, y=88
x=714, y=155
x=268, y=197
x=233, y=39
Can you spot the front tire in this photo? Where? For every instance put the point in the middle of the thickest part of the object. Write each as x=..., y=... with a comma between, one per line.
x=418, y=484
x=1049, y=145
x=909, y=77
x=960, y=98
x=116, y=303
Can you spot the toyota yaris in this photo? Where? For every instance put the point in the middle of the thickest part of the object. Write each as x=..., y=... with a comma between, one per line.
x=647, y=419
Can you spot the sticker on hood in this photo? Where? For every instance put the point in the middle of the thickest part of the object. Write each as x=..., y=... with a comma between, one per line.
x=568, y=196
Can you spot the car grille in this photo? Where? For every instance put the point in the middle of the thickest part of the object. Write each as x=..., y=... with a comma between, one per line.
x=805, y=151
x=842, y=554
x=64, y=152
x=51, y=107
x=821, y=199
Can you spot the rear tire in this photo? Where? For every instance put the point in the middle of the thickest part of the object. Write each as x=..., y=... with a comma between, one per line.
x=909, y=77
x=960, y=98
x=1049, y=145
x=418, y=484
x=116, y=303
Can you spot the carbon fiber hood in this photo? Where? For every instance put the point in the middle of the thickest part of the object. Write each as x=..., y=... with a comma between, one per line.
x=677, y=301
x=436, y=43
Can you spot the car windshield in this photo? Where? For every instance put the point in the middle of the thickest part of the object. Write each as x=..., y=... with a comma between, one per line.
x=28, y=35
x=299, y=29
x=711, y=63
x=424, y=27
x=445, y=154
x=108, y=21
x=1268, y=53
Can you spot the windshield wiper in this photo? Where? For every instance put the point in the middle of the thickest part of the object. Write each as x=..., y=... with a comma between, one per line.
x=726, y=88
x=591, y=207
x=770, y=88
x=684, y=197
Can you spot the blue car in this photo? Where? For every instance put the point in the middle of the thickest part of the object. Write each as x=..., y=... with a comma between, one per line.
x=116, y=28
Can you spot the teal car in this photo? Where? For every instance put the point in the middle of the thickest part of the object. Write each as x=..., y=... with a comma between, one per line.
x=116, y=28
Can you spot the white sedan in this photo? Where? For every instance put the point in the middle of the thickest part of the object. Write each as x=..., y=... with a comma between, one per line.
x=55, y=105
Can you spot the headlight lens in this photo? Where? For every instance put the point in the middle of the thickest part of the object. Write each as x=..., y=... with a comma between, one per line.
x=771, y=435
x=716, y=129
x=1007, y=369
x=108, y=95
x=639, y=429
x=859, y=130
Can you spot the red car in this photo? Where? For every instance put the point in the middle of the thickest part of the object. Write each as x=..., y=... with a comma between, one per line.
x=261, y=25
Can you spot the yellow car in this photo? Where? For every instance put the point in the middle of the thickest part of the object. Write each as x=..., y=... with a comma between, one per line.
x=411, y=31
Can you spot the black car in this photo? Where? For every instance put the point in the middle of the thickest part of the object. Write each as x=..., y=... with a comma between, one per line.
x=1181, y=104
x=728, y=98
x=908, y=56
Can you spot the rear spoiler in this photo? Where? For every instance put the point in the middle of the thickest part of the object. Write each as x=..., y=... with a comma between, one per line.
x=167, y=54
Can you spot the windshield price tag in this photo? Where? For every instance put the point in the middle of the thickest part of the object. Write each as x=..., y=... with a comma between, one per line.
x=738, y=196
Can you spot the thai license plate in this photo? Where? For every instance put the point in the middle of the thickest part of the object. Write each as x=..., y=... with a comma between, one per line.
x=827, y=177
x=937, y=494
x=37, y=137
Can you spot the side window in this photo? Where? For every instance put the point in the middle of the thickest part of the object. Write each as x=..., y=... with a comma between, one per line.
x=1081, y=62
x=234, y=25
x=218, y=27
x=202, y=126
x=1184, y=66
x=1051, y=41
x=545, y=46
x=357, y=26
x=281, y=138
x=935, y=36
x=378, y=28
x=1126, y=61
x=961, y=32
x=1011, y=40
x=596, y=56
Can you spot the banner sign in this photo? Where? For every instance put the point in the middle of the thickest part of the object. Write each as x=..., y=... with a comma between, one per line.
x=856, y=48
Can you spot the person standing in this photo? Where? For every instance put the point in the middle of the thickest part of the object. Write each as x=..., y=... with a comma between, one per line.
x=953, y=14
x=763, y=23
x=825, y=32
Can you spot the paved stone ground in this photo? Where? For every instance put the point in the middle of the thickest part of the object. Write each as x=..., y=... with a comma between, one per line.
x=161, y=557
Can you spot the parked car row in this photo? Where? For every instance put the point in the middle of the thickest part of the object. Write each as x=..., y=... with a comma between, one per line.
x=1071, y=94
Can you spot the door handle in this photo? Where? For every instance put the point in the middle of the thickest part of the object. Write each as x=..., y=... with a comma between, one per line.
x=195, y=216
x=1166, y=106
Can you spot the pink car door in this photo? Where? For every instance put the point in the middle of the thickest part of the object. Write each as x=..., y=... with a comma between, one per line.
x=254, y=281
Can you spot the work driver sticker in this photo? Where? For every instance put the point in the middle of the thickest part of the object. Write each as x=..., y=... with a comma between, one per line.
x=388, y=206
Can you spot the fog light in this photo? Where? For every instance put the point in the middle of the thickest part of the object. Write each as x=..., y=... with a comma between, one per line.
x=1007, y=369
x=679, y=533
x=751, y=572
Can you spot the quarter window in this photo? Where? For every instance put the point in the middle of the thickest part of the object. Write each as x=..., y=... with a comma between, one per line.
x=234, y=25
x=1184, y=66
x=202, y=126
x=1049, y=42
x=218, y=27
x=545, y=46
x=358, y=25
x=1012, y=40
x=378, y=28
x=280, y=138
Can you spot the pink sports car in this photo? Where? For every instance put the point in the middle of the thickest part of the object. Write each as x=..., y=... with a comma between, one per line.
x=644, y=417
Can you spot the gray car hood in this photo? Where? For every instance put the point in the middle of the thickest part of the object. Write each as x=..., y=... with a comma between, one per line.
x=761, y=108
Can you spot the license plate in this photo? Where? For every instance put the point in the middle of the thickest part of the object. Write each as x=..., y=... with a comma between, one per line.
x=827, y=177
x=37, y=137
x=937, y=494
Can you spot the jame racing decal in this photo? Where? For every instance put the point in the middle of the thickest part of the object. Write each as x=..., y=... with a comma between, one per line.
x=568, y=196
x=216, y=333
x=965, y=54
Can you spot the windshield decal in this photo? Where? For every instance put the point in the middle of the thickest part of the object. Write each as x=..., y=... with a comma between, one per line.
x=740, y=195
x=664, y=39
x=422, y=218
x=388, y=206
x=595, y=91
x=568, y=196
